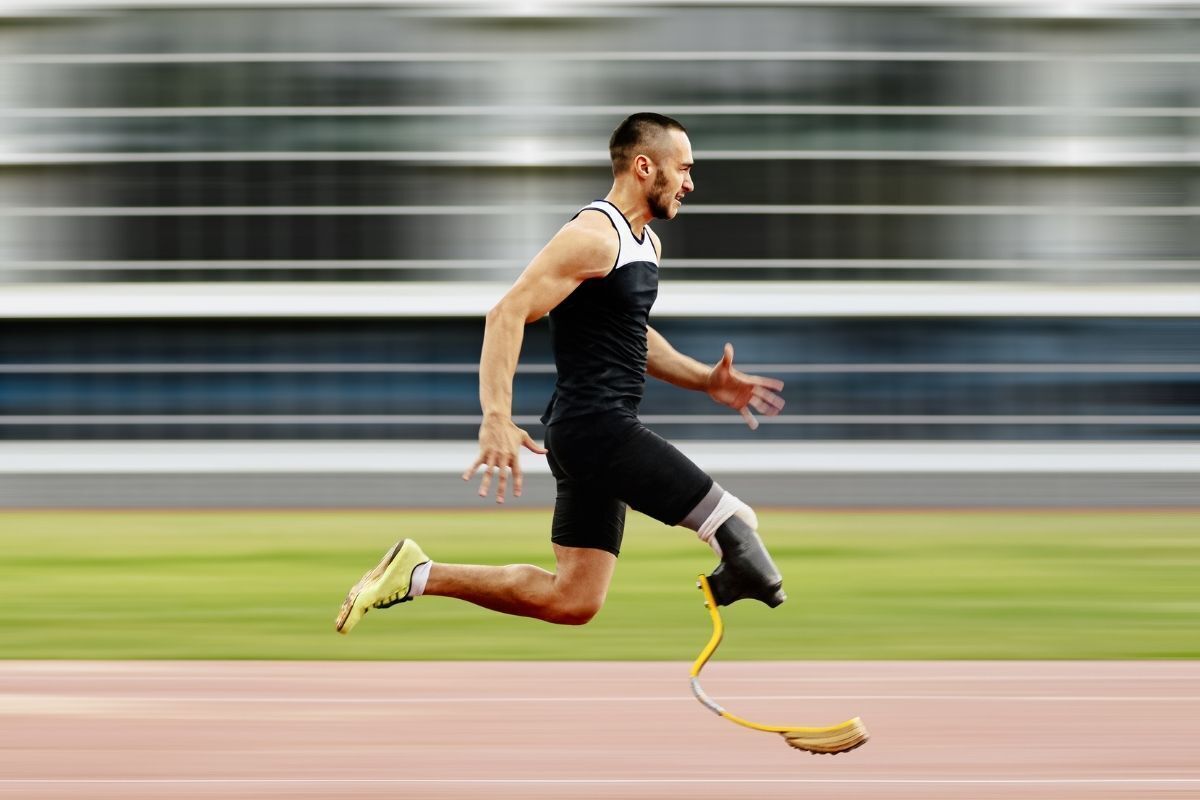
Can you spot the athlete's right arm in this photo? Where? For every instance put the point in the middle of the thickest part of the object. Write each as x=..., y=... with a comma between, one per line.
x=584, y=248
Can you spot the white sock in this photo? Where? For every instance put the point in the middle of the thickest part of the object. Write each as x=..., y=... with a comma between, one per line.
x=419, y=577
x=727, y=506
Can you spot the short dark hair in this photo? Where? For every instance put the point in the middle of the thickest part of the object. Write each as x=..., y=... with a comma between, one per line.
x=634, y=133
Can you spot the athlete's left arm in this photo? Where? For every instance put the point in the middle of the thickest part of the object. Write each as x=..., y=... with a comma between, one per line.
x=723, y=383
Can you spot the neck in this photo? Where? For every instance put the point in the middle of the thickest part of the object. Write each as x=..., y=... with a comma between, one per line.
x=632, y=203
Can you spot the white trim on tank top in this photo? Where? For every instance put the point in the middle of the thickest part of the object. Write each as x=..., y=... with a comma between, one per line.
x=631, y=249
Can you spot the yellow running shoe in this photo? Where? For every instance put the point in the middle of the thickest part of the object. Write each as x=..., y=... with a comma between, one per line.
x=385, y=585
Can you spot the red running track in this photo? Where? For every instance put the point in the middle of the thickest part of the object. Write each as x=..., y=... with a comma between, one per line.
x=186, y=730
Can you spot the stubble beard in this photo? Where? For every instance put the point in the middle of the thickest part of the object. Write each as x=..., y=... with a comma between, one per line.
x=659, y=200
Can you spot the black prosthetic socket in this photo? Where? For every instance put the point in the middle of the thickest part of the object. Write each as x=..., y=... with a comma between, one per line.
x=746, y=570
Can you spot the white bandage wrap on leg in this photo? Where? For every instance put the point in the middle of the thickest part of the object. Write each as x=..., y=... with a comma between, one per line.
x=726, y=507
x=420, y=576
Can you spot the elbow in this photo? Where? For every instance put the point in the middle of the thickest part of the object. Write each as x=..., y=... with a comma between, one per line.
x=498, y=313
x=505, y=313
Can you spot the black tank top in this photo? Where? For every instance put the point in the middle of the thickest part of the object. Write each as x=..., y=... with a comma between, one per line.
x=599, y=331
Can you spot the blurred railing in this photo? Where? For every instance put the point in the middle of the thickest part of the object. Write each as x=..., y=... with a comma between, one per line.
x=958, y=141
x=1032, y=378
x=254, y=220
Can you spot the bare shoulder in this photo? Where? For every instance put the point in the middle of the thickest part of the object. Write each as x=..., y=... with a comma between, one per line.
x=655, y=241
x=588, y=243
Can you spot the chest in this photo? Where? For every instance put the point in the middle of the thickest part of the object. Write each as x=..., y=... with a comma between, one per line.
x=628, y=291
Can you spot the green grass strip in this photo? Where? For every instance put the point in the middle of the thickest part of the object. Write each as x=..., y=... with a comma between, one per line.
x=862, y=585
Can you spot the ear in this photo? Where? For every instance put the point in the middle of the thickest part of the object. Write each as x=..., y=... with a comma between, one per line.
x=643, y=166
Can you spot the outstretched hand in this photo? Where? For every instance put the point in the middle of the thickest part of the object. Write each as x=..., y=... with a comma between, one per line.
x=741, y=392
x=500, y=443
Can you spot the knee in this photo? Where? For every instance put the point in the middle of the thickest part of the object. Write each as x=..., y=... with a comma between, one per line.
x=574, y=610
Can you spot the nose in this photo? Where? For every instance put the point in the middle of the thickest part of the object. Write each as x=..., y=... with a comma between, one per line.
x=689, y=185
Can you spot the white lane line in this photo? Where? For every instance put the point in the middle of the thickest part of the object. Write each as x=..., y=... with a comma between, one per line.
x=618, y=781
x=40, y=672
x=27, y=699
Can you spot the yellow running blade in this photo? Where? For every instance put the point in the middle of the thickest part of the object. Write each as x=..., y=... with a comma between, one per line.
x=831, y=740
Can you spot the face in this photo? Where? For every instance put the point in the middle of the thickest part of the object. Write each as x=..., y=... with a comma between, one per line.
x=673, y=177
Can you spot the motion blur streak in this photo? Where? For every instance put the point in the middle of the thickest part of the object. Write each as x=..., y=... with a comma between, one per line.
x=365, y=152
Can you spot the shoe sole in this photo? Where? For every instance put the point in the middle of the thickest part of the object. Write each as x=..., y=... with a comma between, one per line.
x=371, y=575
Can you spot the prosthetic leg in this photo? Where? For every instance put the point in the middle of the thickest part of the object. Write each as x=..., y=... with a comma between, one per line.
x=746, y=570
x=832, y=739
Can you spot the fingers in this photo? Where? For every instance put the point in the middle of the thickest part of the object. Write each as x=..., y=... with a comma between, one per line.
x=770, y=383
x=774, y=402
x=532, y=446
x=466, y=476
x=490, y=468
x=519, y=477
x=764, y=402
x=502, y=484
x=499, y=460
x=727, y=363
x=491, y=471
x=749, y=417
x=494, y=468
x=486, y=483
x=762, y=408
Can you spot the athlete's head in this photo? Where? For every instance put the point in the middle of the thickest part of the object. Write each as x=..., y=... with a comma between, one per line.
x=654, y=150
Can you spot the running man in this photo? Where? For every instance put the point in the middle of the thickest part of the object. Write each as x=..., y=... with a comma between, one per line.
x=597, y=279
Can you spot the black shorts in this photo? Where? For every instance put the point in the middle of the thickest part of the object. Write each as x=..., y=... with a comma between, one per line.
x=603, y=462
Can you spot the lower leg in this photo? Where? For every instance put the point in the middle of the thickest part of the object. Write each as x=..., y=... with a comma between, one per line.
x=520, y=589
x=570, y=596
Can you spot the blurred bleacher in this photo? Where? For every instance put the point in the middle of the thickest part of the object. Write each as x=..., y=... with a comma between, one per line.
x=246, y=247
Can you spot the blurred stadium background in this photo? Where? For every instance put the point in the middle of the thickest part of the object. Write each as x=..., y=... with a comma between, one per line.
x=246, y=247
